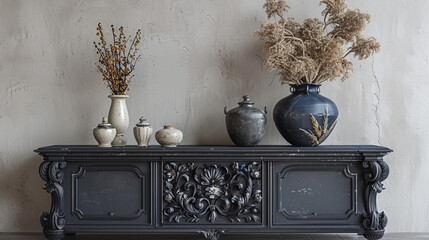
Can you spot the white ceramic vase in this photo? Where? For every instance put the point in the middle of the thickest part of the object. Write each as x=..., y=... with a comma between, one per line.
x=142, y=133
x=169, y=136
x=104, y=133
x=118, y=117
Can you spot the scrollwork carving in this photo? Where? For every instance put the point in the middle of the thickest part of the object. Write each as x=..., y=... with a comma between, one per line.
x=213, y=192
x=374, y=222
x=212, y=234
x=54, y=221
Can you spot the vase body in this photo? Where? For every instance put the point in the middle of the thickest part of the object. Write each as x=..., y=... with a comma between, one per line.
x=245, y=124
x=142, y=133
x=118, y=117
x=104, y=133
x=169, y=136
x=305, y=118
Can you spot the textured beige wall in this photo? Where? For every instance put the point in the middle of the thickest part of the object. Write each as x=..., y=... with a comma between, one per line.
x=198, y=56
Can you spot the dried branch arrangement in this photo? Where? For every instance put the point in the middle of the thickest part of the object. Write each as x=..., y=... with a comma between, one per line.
x=315, y=51
x=117, y=62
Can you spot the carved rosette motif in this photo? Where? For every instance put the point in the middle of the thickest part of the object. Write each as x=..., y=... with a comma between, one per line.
x=54, y=221
x=374, y=222
x=213, y=192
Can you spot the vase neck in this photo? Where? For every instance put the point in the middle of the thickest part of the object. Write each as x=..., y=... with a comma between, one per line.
x=306, y=88
x=118, y=96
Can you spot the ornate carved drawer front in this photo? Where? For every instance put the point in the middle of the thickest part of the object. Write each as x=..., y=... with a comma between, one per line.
x=315, y=193
x=116, y=193
x=205, y=192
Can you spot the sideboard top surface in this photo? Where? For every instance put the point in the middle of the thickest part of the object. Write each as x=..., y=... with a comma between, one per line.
x=261, y=151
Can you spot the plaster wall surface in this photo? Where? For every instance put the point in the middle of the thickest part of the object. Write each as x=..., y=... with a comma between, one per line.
x=197, y=57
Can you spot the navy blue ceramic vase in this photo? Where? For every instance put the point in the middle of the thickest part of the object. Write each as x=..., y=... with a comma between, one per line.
x=305, y=118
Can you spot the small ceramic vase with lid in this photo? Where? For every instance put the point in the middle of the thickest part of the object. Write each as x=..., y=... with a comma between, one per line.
x=246, y=123
x=169, y=136
x=142, y=132
x=104, y=133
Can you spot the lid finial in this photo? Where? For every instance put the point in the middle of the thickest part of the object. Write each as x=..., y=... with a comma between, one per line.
x=246, y=101
x=105, y=124
x=143, y=122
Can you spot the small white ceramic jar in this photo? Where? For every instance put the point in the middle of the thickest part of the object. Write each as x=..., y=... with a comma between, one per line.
x=142, y=132
x=104, y=133
x=169, y=136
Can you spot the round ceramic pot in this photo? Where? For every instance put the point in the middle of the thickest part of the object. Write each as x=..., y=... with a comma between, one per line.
x=104, y=133
x=142, y=133
x=118, y=117
x=169, y=136
x=305, y=118
x=246, y=123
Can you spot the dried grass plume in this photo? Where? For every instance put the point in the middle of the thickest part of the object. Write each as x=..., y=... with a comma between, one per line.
x=316, y=50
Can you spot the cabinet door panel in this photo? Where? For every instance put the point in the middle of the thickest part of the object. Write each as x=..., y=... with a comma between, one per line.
x=212, y=192
x=314, y=193
x=109, y=192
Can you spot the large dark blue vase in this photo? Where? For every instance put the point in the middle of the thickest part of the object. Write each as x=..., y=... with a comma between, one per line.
x=305, y=118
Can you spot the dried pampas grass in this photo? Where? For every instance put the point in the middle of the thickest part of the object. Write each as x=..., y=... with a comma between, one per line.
x=315, y=51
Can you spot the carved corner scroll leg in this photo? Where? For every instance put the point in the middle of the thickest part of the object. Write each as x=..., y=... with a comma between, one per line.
x=54, y=221
x=212, y=234
x=374, y=221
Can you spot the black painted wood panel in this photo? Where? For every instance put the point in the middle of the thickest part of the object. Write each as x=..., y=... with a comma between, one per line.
x=108, y=193
x=314, y=193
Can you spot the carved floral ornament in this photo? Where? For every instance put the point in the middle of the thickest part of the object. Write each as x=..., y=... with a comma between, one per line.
x=212, y=191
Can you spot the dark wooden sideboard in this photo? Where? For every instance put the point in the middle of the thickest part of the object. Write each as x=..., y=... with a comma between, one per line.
x=213, y=189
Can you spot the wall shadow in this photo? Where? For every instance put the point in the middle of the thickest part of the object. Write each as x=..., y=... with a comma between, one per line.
x=22, y=192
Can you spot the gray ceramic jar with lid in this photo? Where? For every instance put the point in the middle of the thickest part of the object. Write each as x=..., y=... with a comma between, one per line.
x=142, y=132
x=104, y=133
x=246, y=123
